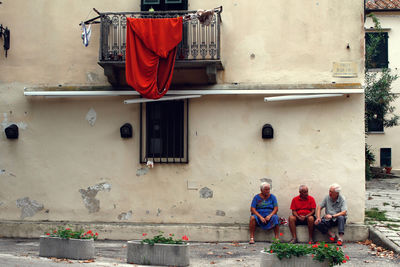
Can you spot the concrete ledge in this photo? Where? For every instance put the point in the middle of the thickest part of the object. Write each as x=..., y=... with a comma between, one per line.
x=158, y=254
x=77, y=249
x=381, y=240
x=195, y=232
x=269, y=260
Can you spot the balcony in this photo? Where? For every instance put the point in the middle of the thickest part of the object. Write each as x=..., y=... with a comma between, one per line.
x=199, y=49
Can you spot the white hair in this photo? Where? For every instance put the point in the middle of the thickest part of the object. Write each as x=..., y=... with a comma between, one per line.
x=302, y=186
x=337, y=187
x=264, y=184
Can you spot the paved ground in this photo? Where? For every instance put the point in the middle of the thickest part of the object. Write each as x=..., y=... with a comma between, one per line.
x=384, y=195
x=24, y=253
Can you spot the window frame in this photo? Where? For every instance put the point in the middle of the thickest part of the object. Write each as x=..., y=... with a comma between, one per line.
x=163, y=5
x=143, y=154
x=380, y=64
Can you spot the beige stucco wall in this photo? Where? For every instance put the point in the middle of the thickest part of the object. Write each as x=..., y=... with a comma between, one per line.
x=316, y=142
x=389, y=138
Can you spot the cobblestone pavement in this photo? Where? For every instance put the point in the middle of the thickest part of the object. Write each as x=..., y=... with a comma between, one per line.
x=384, y=195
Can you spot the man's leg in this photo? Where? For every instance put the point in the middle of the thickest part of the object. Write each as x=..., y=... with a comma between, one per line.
x=292, y=227
x=310, y=224
x=323, y=226
x=341, y=221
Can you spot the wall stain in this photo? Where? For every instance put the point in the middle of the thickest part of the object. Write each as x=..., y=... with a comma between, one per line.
x=88, y=196
x=91, y=116
x=158, y=212
x=206, y=192
x=220, y=213
x=142, y=171
x=28, y=207
x=125, y=216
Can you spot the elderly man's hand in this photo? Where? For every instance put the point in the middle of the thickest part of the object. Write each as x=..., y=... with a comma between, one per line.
x=302, y=218
x=317, y=221
x=328, y=216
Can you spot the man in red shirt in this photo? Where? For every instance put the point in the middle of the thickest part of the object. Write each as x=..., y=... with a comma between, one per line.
x=303, y=209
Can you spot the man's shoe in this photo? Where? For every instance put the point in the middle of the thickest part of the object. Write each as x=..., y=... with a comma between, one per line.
x=293, y=241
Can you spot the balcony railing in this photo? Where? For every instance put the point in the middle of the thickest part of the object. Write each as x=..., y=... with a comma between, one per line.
x=199, y=42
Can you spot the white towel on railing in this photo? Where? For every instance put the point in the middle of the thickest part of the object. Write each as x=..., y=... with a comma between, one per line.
x=86, y=33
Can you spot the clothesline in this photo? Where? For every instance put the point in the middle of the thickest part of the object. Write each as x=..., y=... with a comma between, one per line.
x=203, y=15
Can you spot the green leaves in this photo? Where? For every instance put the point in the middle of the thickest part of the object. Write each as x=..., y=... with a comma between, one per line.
x=319, y=251
x=160, y=238
x=67, y=233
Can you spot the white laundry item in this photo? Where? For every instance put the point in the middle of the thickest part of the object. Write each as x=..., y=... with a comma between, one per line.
x=86, y=33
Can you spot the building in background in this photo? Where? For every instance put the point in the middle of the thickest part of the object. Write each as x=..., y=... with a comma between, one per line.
x=385, y=141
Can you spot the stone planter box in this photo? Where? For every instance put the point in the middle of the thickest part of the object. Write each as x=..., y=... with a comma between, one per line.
x=268, y=259
x=158, y=254
x=77, y=249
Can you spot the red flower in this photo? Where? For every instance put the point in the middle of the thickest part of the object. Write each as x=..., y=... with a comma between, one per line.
x=331, y=238
x=144, y=234
x=185, y=238
x=96, y=234
x=271, y=251
x=339, y=243
x=326, y=245
x=47, y=233
x=55, y=231
x=312, y=255
x=337, y=248
x=89, y=232
x=170, y=234
x=344, y=261
x=310, y=242
x=347, y=257
x=315, y=246
x=281, y=234
x=67, y=229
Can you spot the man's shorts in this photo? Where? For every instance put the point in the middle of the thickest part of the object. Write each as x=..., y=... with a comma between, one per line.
x=298, y=222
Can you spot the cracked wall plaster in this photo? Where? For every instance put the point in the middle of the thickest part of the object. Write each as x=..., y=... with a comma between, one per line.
x=28, y=207
x=88, y=196
x=220, y=213
x=266, y=180
x=91, y=116
x=92, y=77
x=142, y=171
x=125, y=216
x=206, y=192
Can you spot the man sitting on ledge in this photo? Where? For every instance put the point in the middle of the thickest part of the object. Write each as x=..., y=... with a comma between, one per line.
x=335, y=214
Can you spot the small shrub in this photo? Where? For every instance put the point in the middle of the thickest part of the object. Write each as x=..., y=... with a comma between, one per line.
x=67, y=233
x=161, y=239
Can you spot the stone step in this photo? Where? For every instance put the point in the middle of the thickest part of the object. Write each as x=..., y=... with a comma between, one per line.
x=195, y=232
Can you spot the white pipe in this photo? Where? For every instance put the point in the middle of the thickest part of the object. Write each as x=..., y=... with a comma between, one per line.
x=165, y=98
x=298, y=97
x=197, y=92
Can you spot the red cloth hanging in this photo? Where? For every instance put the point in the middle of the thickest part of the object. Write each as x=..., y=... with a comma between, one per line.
x=150, y=54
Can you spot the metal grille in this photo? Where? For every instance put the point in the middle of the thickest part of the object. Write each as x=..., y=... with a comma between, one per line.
x=199, y=42
x=164, y=132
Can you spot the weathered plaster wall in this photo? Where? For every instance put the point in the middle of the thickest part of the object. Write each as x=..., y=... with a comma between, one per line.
x=88, y=173
x=71, y=164
x=389, y=139
x=292, y=41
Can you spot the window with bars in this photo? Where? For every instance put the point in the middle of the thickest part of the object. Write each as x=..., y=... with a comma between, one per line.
x=379, y=58
x=164, y=132
x=164, y=5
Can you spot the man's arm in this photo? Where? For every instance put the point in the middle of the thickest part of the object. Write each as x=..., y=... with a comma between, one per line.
x=318, y=220
x=311, y=213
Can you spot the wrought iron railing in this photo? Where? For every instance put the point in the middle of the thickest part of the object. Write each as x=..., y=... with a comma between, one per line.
x=199, y=42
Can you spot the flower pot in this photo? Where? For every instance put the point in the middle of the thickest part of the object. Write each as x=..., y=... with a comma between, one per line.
x=158, y=254
x=388, y=170
x=270, y=259
x=77, y=249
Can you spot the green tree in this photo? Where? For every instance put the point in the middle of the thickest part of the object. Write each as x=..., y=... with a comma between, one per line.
x=378, y=94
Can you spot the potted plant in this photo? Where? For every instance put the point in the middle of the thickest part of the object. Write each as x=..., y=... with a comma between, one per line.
x=159, y=250
x=67, y=243
x=319, y=254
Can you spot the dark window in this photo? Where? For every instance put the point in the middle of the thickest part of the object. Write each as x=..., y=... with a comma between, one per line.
x=379, y=58
x=164, y=5
x=376, y=124
x=386, y=157
x=164, y=131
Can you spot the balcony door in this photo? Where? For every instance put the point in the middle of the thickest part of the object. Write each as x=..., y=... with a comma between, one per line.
x=164, y=5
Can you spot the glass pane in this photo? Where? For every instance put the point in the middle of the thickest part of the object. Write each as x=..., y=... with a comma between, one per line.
x=173, y=1
x=151, y=2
